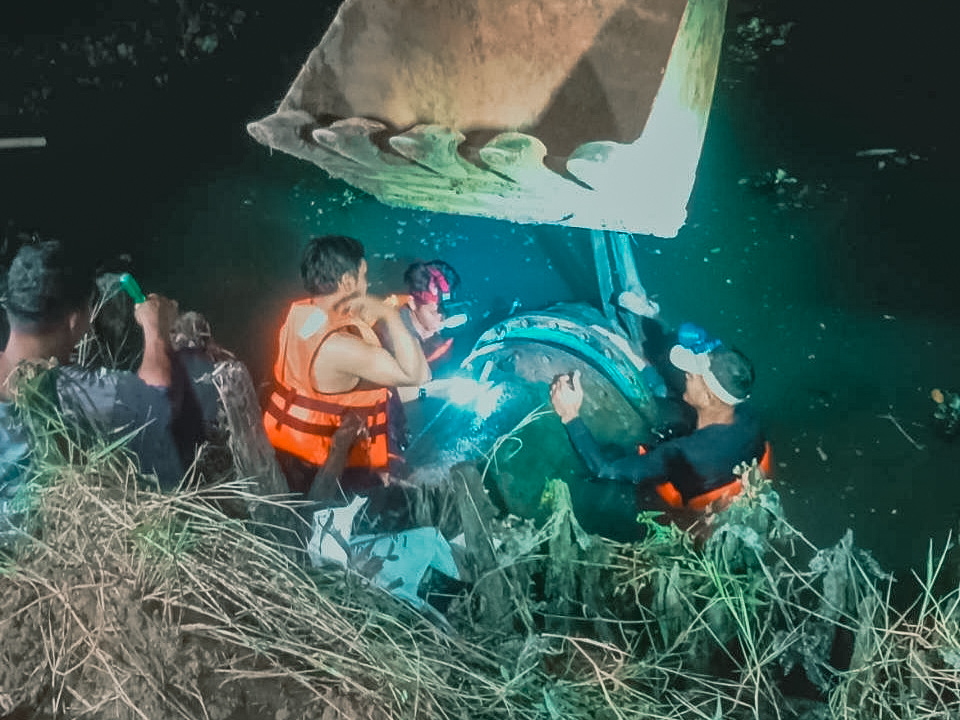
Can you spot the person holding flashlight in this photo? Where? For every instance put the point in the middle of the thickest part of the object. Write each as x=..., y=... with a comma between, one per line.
x=47, y=302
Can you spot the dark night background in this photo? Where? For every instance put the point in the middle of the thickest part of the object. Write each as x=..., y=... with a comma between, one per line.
x=841, y=285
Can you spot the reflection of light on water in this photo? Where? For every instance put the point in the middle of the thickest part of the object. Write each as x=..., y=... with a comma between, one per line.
x=481, y=397
x=488, y=401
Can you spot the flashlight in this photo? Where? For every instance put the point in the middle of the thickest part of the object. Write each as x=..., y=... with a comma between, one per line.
x=456, y=314
x=132, y=288
x=454, y=321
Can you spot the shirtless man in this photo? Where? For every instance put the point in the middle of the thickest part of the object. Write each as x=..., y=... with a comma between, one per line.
x=332, y=370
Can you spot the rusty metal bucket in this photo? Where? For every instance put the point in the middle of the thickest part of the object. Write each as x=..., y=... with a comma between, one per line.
x=588, y=113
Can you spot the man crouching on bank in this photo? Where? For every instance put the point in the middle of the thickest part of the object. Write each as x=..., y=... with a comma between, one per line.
x=332, y=374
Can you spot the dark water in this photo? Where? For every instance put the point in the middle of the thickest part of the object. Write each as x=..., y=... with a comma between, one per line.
x=845, y=296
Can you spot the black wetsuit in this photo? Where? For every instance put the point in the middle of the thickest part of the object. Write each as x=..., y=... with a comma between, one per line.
x=695, y=463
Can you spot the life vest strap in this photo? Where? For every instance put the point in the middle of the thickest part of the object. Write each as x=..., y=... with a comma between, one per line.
x=292, y=397
x=324, y=430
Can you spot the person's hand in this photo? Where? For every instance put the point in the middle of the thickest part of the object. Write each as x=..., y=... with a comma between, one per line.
x=566, y=395
x=352, y=428
x=368, y=308
x=156, y=316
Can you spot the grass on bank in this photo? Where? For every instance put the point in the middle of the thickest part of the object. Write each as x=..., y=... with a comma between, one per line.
x=122, y=602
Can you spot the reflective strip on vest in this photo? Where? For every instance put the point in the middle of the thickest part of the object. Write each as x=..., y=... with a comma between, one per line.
x=307, y=433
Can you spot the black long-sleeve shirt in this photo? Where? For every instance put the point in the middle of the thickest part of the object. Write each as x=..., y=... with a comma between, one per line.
x=695, y=463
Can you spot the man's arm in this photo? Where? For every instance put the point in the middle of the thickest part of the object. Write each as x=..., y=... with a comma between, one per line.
x=566, y=395
x=407, y=351
x=162, y=370
x=350, y=356
x=634, y=469
x=156, y=316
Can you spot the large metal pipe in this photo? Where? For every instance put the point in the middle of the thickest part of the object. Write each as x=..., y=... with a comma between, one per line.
x=506, y=378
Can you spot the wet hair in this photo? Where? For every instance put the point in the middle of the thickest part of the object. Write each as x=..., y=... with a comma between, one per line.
x=418, y=276
x=45, y=283
x=326, y=260
x=733, y=371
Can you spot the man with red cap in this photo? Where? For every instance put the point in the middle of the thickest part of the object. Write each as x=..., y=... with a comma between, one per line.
x=430, y=285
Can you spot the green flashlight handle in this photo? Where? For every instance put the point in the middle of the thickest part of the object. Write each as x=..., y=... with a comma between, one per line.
x=132, y=288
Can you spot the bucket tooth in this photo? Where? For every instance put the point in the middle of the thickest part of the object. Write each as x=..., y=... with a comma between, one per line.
x=515, y=155
x=433, y=147
x=351, y=138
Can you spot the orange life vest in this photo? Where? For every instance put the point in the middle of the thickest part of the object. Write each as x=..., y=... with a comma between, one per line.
x=300, y=419
x=722, y=495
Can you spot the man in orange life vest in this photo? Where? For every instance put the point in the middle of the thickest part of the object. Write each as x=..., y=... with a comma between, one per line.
x=331, y=367
x=683, y=473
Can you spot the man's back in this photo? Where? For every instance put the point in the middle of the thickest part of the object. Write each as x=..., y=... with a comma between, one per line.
x=705, y=459
x=96, y=405
x=114, y=403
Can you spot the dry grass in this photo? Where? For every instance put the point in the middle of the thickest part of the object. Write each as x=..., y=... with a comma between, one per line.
x=124, y=602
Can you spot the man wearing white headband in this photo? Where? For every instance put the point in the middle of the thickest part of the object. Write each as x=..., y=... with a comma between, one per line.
x=696, y=465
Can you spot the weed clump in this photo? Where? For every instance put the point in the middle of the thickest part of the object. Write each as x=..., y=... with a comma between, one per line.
x=120, y=601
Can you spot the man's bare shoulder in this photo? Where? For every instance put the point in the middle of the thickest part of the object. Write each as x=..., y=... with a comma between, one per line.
x=342, y=359
x=347, y=339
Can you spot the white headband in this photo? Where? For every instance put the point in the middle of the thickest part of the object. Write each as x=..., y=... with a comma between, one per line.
x=699, y=364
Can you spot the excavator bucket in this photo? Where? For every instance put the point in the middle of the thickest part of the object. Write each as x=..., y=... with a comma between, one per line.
x=587, y=113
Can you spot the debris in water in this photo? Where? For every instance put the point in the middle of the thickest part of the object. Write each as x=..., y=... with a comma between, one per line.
x=898, y=426
x=757, y=36
x=781, y=176
x=898, y=157
x=946, y=416
x=788, y=190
